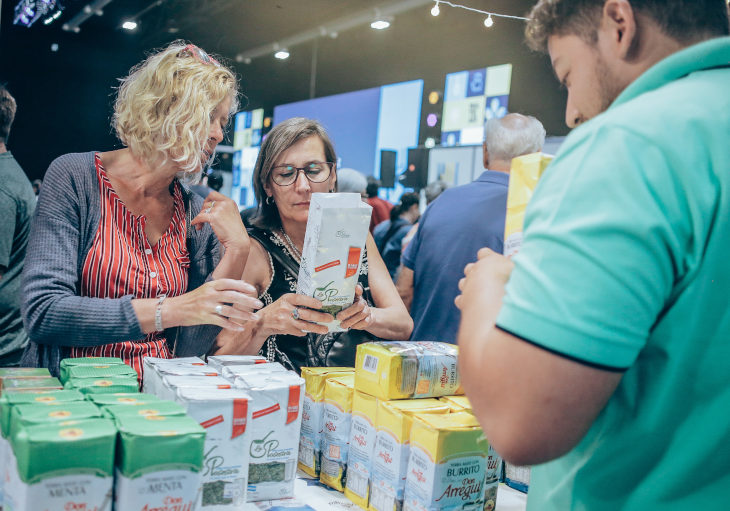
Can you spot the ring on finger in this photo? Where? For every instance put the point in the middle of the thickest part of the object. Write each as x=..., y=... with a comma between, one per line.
x=219, y=309
x=295, y=313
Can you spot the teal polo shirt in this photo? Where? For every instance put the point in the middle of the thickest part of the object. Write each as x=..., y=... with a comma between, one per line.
x=626, y=266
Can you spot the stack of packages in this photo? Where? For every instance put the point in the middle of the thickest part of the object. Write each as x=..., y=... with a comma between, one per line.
x=250, y=411
x=412, y=440
x=98, y=375
x=63, y=449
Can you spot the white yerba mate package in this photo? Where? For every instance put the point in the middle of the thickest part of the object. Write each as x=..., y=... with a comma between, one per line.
x=337, y=228
x=275, y=426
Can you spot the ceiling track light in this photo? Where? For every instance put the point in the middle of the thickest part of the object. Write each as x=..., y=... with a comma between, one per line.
x=129, y=25
x=282, y=54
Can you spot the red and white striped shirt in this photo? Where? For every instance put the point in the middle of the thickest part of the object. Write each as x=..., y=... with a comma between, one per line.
x=122, y=262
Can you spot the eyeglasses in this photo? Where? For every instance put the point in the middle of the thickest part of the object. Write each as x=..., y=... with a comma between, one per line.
x=316, y=172
x=198, y=54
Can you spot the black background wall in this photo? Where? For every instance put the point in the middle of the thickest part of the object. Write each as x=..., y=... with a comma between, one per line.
x=65, y=97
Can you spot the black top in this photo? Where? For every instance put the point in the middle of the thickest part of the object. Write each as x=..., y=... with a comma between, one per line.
x=310, y=350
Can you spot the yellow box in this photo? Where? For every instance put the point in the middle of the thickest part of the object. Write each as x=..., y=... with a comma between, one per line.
x=338, y=392
x=457, y=403
x=362, y=444
x=310, y=441
x=390, y=457
x=451, y=465
x=401, y=370
x=524, y=173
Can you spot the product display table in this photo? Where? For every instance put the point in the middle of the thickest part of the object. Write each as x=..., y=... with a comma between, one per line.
x=310, y=495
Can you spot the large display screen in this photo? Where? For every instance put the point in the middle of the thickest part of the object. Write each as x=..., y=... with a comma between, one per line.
x=247, y=130
x=470, y=98
x=362, y=123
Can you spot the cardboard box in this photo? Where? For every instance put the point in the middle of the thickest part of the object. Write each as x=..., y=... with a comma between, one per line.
x=457, y=403
x=337, y=228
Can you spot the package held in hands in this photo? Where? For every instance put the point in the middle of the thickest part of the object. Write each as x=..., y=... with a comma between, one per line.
x=525, y=171
x=225, y=414
x=337, y=228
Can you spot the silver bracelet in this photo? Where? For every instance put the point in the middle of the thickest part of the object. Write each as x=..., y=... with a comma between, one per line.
x=158, y=313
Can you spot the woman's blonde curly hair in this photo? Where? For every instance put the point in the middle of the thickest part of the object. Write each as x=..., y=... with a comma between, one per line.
x=163, y=108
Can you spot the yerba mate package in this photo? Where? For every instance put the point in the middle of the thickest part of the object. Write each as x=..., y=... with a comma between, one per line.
x=104, y=385
x=68, y=363
x=159, y=462
x=450, y=462
x=28, y=373
x=524, y=173
x=392, y=443
x=14, y=385
x=399, y=370
x=338, y=392
x=276, y=421
x=121, y=398
x=312, y=412
x=225, y=414
x=337, y=228
x=62, y=466
x=457, y=403
x=149, y=408
x=362, y=445
x=218, y=362
x=156, y=372
x=98, y=371
x=171, y=383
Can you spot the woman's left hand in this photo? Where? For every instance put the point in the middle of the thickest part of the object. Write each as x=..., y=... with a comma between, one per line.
x=222, y=214
x=359, y=315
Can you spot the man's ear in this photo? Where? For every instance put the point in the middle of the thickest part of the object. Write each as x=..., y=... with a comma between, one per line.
x=618, y=23
x=485, y=155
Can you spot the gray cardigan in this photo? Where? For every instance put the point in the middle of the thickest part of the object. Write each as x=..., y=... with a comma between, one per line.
x=62, y=231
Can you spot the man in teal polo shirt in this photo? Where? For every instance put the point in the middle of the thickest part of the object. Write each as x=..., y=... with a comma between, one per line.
x=601, y=353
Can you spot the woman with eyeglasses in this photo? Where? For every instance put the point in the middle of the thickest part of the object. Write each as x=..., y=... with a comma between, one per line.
x=296, y=160
x=123, y=260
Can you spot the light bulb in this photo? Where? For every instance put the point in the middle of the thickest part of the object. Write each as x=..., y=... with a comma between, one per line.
x=435, y=11
x=489, y=21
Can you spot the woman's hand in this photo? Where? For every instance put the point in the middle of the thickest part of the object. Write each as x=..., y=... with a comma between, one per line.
x=359, y=315
x=292, y=314
x=228, y=303
x=223, y=216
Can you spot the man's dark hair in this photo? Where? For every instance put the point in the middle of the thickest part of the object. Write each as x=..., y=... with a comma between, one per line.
x=407, y=200
x=7, y=113
x=371, y=190
x=683, y=20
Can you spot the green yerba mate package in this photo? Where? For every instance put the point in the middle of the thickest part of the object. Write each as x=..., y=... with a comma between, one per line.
x=61, y=466
x=159, y=461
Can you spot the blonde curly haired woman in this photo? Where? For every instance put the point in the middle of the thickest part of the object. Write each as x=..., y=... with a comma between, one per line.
x=123, y=260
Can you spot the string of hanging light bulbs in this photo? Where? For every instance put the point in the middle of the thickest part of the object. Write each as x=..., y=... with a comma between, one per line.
x=488, y=21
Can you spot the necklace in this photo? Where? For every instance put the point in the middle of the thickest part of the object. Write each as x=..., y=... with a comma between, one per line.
x=293, y=248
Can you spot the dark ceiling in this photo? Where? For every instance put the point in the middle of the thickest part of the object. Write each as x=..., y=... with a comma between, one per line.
x=64, y=96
